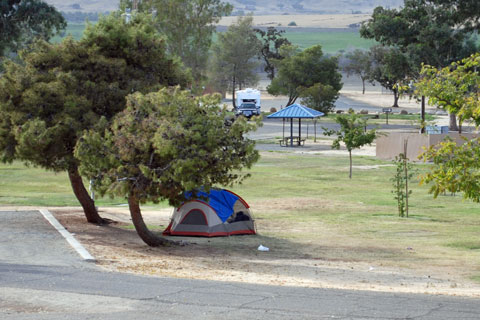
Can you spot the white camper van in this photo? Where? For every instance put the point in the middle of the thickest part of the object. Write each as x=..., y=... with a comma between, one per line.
x=248, y=102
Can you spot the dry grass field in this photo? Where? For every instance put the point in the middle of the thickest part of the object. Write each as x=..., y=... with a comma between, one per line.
x=258, y=7
x=303, y=21
x=85, y=5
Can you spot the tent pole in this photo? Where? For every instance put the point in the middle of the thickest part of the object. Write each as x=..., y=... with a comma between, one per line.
x=283, y=130
x=315, y=130
x=307, y=128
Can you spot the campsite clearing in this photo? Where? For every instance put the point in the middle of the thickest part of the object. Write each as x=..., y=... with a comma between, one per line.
x=323, y=230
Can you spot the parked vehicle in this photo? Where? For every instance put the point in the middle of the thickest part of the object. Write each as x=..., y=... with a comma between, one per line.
x=247, y=102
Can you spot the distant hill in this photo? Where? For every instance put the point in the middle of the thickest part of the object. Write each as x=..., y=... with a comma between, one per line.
x=258, y=7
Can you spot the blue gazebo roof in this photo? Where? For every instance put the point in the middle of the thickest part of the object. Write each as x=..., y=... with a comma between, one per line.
x=297, y=111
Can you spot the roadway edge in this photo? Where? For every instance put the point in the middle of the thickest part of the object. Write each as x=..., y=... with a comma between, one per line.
x=68, y=236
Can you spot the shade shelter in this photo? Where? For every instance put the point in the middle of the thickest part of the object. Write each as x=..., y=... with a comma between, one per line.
x=296, y=111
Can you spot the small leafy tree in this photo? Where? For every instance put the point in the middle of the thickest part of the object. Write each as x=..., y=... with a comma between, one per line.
x=455, y=88
x=359, y=62
x=390, y=68
x=164, y=144
x=320, y=97
x=303, y=70
x=352, y=133
x=403, y=174
x=455, y=168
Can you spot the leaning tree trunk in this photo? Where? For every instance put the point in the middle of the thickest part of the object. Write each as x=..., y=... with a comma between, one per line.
x=83, y=197
x=291, y=99
x=453, y=122
x=142, y=230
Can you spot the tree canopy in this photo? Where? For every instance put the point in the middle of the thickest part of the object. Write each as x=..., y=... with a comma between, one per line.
x=272, y=41
x=464, y=13
x=352, y=133
x=188, y=26
x=59, y=90
x=320, y=97
x=359, y=62
x=456, y=167
x=303, y=70
x=455, y=88
x=425, y=31
x=164, y=144
x=235, y=57
x=434, y=32
x=21, y=21
x=390, y=68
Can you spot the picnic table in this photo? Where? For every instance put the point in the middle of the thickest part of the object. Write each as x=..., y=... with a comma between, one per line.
x=297, y=141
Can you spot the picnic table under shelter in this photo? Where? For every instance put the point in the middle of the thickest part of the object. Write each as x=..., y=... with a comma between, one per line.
x=295, y=111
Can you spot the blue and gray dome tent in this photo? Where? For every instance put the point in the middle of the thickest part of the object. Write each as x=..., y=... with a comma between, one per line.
x=295, y=111
x=216, y=213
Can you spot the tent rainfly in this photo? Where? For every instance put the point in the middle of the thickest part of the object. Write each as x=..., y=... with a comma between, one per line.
x=217, y=213
x=295, y=111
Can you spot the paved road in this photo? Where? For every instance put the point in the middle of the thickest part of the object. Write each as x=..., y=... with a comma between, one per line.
x=273, y=128
x=62, y=286
x=343, y=103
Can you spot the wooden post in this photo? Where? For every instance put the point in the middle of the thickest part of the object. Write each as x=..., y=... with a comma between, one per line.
x=299, y=130
x=422, y=130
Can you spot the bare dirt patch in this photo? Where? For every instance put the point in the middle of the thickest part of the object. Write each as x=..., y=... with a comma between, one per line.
x=383, y=99
x=328, y=259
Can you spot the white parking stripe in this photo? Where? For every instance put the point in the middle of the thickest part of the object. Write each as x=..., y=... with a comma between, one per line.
x=68, y=236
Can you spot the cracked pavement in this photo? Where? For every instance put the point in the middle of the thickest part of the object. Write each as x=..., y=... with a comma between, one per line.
x=41, y=277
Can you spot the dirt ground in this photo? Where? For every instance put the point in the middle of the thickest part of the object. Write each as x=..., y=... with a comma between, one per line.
x=323, y=264
x=384, y=100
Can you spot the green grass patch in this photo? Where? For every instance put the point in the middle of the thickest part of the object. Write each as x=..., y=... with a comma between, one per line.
x=73, y=29
x=331, y=40
x=468, y=245
x=308, y=203
x=29, y=186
